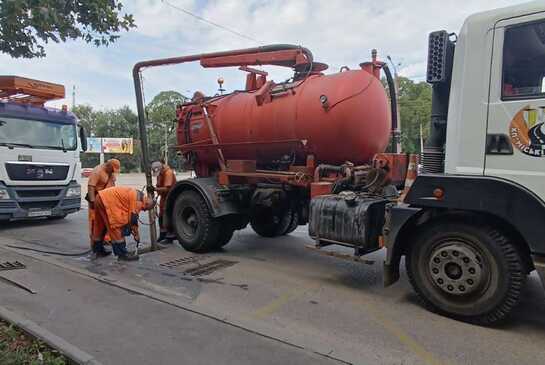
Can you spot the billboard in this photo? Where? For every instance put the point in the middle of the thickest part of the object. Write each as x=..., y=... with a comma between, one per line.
x=94, y=145
x=109, y=145
x=117, y=145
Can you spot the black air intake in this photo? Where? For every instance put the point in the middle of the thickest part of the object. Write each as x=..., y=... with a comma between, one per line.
x=440, y=60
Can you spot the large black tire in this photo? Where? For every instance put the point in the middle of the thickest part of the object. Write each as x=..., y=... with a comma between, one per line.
x=268, y=224
x=195, y=228
x=468, y=272
x=224, y=237
x=294, y=222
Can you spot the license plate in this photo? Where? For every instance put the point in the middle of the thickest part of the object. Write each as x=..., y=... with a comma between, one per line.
x=39, y=213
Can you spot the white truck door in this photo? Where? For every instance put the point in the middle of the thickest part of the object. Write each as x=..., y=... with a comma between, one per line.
x=515, y=145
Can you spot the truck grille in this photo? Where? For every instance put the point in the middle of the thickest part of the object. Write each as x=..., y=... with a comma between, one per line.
x=8, y=205
x=35, y=193
x=30, y=172
x=47, y=204
x=71, y=202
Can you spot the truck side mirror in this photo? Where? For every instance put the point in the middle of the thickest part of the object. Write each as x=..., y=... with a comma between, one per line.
x=83, y=139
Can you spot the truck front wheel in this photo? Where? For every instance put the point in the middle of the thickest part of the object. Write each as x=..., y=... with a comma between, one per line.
x=196, y=229
x=467, y=272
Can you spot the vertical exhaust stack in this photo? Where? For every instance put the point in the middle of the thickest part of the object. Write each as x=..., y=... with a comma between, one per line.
x=440, y=60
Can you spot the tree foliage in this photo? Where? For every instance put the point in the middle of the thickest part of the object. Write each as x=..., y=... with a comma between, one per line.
x=123, y=122
x=415, y=109
x=27, y=25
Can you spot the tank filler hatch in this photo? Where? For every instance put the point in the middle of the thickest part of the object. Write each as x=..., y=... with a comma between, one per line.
x=28, y=91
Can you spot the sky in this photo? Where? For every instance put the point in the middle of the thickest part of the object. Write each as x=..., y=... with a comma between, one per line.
x=338, y=32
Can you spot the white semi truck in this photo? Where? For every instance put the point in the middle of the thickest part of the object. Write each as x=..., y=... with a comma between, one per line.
x=39, y=152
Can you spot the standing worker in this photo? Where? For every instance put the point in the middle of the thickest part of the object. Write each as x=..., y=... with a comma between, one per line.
x=117, y=209
x=103, y=176
x=166, y=179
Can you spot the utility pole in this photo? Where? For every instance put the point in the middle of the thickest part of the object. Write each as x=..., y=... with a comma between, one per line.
x=73, y=96
x=396, y=86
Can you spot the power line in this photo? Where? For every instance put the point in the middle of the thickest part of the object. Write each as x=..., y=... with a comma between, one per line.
x=210, y=22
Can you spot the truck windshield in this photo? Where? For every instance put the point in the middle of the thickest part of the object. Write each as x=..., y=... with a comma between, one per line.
x=37, y=134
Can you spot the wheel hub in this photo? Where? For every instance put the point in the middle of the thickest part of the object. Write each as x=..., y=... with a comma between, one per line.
x=189, y=221
x=456, y=269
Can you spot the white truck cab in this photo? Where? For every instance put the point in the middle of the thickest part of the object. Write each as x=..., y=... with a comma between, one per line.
x=472, y=226
x=498, y=92
x=39, y=152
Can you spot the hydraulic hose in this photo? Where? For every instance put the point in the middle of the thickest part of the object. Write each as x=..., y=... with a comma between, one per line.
x=75, y=254
x=393, y=107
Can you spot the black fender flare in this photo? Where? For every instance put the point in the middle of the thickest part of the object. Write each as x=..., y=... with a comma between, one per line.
x=502, y=199
x=218, y=203
x=505, y=199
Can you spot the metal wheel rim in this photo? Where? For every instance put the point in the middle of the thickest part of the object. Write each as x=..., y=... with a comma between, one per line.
x=457, y=268
x=189, y=221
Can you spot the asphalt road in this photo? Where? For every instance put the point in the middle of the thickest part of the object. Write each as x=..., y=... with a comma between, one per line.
x=279, y=289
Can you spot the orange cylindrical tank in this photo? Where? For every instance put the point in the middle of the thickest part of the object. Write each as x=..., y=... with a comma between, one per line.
x=342, y=117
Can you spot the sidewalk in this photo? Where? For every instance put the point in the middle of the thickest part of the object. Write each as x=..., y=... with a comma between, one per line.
x=119, y=327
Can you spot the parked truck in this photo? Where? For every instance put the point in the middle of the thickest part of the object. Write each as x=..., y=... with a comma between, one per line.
x=39, y=152
x=311, y=150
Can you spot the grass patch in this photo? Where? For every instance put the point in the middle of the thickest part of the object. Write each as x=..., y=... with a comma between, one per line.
x=19, y=348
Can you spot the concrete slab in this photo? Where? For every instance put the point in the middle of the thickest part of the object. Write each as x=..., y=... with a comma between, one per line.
x=119, y=327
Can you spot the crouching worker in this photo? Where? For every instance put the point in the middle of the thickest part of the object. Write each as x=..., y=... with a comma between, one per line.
x=117, y=210
x=166, y=179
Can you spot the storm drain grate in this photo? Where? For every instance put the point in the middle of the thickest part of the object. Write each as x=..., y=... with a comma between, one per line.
x=209, y=268
x=183, y=261
x=11, y=265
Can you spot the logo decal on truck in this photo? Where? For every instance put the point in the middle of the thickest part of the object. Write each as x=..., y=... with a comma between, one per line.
x=527, y=131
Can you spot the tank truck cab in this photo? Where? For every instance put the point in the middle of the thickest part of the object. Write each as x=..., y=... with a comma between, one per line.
x=472, y=226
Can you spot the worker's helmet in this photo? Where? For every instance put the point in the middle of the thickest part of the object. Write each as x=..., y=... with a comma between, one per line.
x=116, y=165
x=156, y=168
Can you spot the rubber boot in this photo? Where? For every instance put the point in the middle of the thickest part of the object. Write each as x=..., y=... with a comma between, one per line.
x=120, y=250
x=164, y=238
x=99, y=250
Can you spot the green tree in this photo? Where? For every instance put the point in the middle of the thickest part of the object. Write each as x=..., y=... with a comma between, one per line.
x=161, y=114
x=415, y=109
x=123, y=123
x=27, y=25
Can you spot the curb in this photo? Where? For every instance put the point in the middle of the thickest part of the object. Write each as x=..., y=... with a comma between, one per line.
x=67, y=349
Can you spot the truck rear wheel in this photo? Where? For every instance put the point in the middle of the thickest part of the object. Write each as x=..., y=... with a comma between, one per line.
x=267, y=223
x=196, y=229
x=466, y=272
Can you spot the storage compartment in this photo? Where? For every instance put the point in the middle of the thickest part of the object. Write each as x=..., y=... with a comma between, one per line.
x=348, y=219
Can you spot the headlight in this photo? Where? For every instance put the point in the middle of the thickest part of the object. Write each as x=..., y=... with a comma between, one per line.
x=4, y=194
x=74, y=191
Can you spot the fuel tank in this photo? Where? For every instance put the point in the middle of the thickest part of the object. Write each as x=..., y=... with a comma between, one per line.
x=338, y=117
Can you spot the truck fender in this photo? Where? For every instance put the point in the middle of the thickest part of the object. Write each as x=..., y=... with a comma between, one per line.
x=218, y=204
x=401, y=219
x=510, y=202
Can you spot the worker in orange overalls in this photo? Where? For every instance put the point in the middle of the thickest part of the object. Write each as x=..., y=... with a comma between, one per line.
x=103, y=176
x=117, y=209
x=166, y=179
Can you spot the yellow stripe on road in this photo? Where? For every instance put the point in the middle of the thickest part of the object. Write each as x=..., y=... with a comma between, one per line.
x=274, y=305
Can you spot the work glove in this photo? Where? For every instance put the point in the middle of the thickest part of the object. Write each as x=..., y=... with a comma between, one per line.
x=150, y=189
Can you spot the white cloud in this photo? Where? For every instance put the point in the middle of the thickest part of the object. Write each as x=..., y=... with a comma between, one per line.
x=339, y=32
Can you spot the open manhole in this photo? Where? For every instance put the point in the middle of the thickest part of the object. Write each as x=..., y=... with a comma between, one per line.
x=194, y=265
